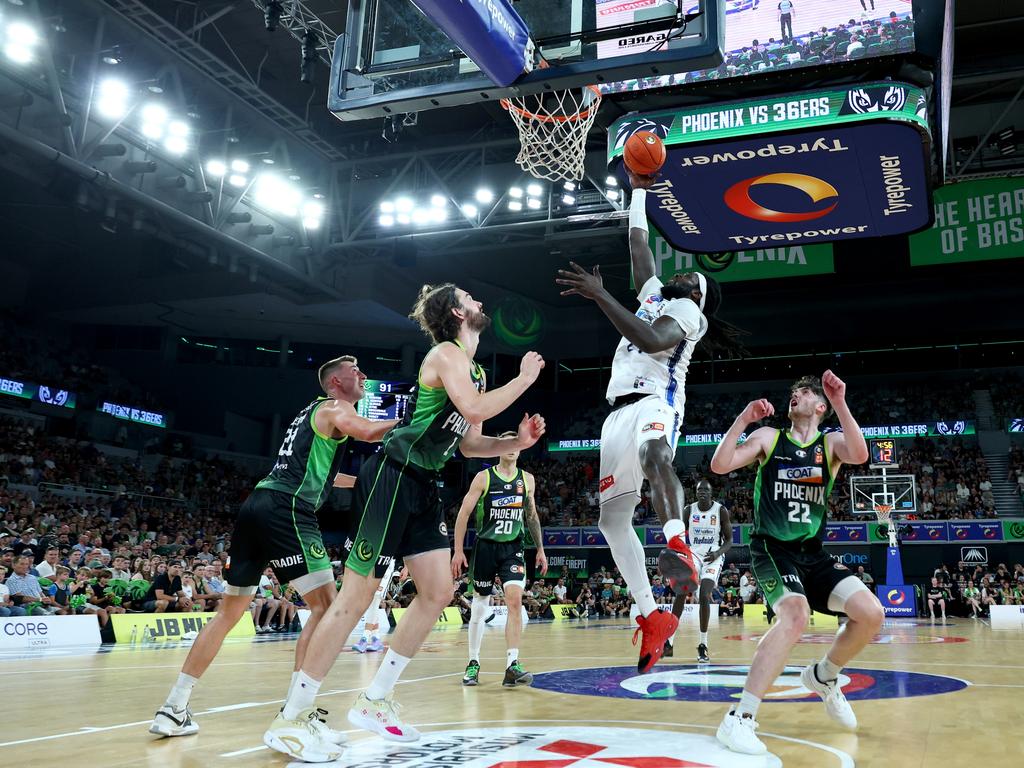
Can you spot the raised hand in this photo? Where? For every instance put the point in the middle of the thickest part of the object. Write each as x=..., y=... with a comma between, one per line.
x=589, y=285
x=757, y=410
x=835, y=388
x=531, y=366
x=531, y=429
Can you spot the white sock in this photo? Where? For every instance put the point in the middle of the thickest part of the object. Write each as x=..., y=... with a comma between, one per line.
x=291, y=685
x=302, y=696
x=704, y=638
x=178, y=697
x=748, y=704
x=825, y=670
x=512, y=654
x=388, y=674
x=370, y=617
x=617, y=526
x=674, y=528
x=477, y=614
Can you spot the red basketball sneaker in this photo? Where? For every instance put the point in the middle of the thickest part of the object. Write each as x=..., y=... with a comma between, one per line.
x=677, y=565
x=657, y=627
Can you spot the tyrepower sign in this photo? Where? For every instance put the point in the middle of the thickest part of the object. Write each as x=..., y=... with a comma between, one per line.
x=808, y=168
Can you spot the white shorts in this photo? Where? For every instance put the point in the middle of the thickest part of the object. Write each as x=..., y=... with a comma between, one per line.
x=708, y=570
x=624, y=431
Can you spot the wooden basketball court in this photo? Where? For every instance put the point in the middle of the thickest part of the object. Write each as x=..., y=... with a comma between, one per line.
x=959, y=706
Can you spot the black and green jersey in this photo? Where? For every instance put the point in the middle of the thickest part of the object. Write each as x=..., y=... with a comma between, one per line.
x=499, y=512
x=307, y=461
x=432, y=427
x=791, y=490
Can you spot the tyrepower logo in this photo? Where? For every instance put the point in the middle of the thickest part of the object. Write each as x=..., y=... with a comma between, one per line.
x=896, y=596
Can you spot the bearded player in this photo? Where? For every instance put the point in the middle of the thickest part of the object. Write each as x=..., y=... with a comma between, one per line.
x=709, y=532
x=796, y=469
x=646, y=392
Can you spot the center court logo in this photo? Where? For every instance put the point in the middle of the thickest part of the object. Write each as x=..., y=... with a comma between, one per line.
x=547, y=747
x=738, y=197
x=725, y=683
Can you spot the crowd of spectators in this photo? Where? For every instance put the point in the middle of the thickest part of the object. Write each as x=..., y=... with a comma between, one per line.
x=1015, y=470
x=970, y=590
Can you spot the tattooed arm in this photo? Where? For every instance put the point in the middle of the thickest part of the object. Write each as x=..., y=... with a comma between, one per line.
x=533, y=523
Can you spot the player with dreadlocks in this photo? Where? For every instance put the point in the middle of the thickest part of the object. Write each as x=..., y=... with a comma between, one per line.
x=646, y=392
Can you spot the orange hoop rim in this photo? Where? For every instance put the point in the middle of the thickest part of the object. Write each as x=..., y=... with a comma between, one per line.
x=508, y=106
x=884, y=511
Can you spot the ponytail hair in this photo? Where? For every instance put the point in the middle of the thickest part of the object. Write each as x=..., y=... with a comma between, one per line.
x=722, y=337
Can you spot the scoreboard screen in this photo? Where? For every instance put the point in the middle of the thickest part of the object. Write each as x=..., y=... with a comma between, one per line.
x=883, y=453
x=383, y=400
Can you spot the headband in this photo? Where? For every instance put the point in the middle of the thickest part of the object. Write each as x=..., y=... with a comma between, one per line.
x=703, y=283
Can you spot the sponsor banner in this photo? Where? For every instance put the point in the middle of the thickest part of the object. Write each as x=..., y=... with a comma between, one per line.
x=975, y=531
x=974, y=221
x=851, y=559
x=652, y=536
x=490, y=33
x=561, y=537
x=576, y=562
x=498, y=616
x=897, y=600
x=1006, y=616
x=733, y=266
x=756, y=614
x=846, y=532
x=924, y=531
x=721, y=683
x=591, y=536
x=136, y=415
x=170, y=626
x=562, y=612
x=33, y=632
x=1013, y=530
x=450, y=616
x=855, y=167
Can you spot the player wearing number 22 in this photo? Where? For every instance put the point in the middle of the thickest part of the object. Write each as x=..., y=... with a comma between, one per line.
x=796, y=469
x=277, y=524
x=402, y=516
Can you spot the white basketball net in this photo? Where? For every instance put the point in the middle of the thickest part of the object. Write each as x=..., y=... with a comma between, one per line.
x=553, y=129
x=883, y=512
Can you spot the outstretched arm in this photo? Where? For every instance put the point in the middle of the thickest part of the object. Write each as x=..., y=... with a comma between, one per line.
x=476, y=490
x=640, y=254
x=728, y=455
x=339, y=416
x=663, y=334
x=849, y=447
x=477, y=445
x=448, y=366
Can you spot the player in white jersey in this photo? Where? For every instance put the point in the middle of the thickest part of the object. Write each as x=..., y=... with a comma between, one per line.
x=709, y=532
x=647, y=395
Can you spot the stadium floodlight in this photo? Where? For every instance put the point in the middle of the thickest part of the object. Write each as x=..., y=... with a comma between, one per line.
x=276, y=194
x=386, y=220
x=534, y=190
x=237, y=180
x=438, y=201
x=484, y=196
x=403, y=218
x=177, y=139
x=568, y=199
x=569, y=186
x=515, y=192
x=533, y=203
x=438, y=215
x=240, y=166
x=421, y=217
x=154, y=120
x=470, y=211
x=612, y=194
x=20, y=41
x=216, y=168
x=404, y=205
x=515, y=205
x=611, y=181
x=311, y=223
x=387, y=207
x=312, y=209
x=112, y=102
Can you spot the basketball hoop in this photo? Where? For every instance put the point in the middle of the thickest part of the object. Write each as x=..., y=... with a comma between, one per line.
x=884, y=513
x=553, y=128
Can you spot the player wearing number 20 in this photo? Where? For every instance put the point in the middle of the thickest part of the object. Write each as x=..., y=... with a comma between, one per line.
x=796, y=469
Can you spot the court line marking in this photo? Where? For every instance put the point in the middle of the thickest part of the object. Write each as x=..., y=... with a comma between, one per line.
x=844, y=758
x=85, y=730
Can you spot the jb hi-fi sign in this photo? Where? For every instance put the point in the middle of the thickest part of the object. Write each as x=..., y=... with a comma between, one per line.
x=804, y=169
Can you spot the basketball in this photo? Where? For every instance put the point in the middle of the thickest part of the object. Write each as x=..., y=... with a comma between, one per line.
x=644, y=153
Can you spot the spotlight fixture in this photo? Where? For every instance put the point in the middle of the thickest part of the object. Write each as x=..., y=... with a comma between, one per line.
x=515, y=192
x=438, y=201
x=611, y=181
x=484, y=196
x=308, y=65
x=532, y=203
x=216, y=168
x=568, y=199
x=569, y=186
x=113, y=57
x=470, y=211
x=515, y=205
x=534, y=190
x=272, y=14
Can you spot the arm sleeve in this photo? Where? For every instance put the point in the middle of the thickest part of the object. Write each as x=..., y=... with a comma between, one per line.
x=689, y=317
x=653, y=285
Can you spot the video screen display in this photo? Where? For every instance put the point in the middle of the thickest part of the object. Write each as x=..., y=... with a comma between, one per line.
x=384, y=400
x=766, y=35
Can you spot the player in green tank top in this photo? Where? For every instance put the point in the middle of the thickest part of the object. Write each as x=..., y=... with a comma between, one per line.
x=402, y=514
x=277, y=525
x=796, y=469
x=501, y=499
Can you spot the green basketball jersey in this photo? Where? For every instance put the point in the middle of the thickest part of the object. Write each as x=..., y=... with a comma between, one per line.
x=307, y=461
x=791, y=490
x=499, y=512
x=432, y=427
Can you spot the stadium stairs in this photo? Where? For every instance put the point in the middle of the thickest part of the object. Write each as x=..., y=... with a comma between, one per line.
x=995, y=445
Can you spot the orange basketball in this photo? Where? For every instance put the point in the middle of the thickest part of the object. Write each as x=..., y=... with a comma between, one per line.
x=644, y=153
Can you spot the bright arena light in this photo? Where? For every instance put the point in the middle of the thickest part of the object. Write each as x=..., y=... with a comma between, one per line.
x=276, y=194
x=533, y=203
x=216, y=168
x=421, y=217
x=484, y=196
x=387, y=207
x=240, y=166
x=515, y=205
x=515, y=192
x=404, y=205
x=470, y=210
x=534, y=190
x=237, y=180
x=20, y=40
x=112, y=102
x=611, y=181
x=386, y=220
x=612, y=194
x=568, y=199
x=154, y=121
x=438, y=201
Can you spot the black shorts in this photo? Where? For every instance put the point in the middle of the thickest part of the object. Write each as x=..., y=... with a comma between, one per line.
x=804, y=569
x=271, y=530
x=503, y=559
x=401, y=515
